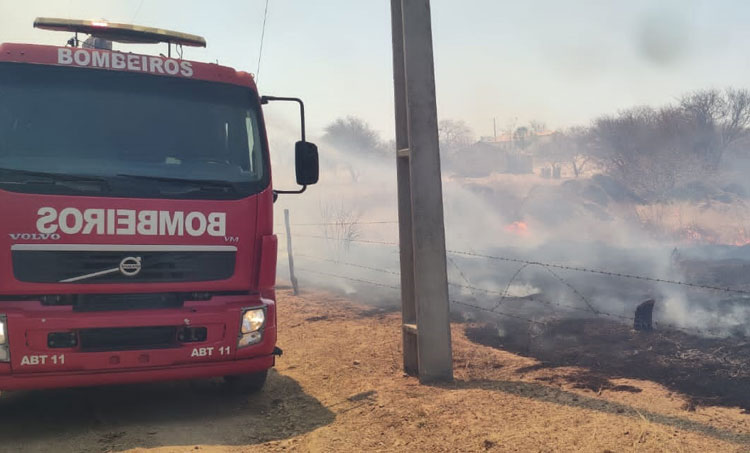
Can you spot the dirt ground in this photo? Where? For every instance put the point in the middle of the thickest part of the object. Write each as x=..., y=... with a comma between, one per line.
x=339, y=387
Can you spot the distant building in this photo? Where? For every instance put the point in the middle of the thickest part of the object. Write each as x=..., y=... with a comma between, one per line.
x=506, y=153
x=484, y=158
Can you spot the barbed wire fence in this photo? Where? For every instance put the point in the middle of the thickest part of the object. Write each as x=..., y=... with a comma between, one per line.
x=501, y=295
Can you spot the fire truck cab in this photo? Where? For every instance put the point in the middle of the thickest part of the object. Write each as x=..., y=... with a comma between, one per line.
x=136, y=240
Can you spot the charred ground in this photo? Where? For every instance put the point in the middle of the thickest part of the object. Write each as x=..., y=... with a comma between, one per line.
x=707, y=371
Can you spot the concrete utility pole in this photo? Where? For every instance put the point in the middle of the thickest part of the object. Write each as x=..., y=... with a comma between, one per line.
x=424, y=280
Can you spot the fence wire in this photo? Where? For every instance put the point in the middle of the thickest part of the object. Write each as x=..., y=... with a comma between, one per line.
x=566, y=267
x=503, y=294
x=376, y=222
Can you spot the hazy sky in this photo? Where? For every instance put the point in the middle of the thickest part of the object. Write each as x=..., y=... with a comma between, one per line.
x=559, y=62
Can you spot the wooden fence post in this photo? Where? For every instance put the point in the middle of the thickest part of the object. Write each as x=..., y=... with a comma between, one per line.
x=295, y=286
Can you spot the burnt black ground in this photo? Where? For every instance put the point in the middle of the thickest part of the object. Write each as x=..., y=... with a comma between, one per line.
x=707, y=371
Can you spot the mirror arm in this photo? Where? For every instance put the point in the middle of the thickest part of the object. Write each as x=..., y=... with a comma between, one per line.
x=290, y=191
x=265, y=99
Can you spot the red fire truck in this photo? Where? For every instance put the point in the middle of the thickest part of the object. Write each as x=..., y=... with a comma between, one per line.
x=136, y=214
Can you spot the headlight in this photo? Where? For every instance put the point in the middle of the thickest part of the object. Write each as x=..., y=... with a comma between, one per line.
x=250, y=339
x=3, y=335
x=4, y=352
x=251, y=332
x=253, y=320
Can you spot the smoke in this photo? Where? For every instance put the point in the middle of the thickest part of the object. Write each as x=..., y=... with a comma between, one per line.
x=355, y=188
x=342, y=241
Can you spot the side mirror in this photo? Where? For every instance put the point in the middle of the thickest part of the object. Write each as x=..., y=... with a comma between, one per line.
x=306, y=163
x=305, y=153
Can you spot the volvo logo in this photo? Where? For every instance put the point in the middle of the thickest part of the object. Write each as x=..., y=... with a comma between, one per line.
x=130, y=266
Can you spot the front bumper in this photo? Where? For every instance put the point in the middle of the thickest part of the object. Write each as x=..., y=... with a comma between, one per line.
x=35, y=364
x=133, y=376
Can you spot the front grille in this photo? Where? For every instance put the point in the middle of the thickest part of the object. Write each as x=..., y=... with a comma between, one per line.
x=42, y=266
x=137, y=301
x=127, y=338
x=112, y=302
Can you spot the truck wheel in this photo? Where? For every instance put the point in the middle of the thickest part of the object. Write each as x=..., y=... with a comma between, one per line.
x=246, y=383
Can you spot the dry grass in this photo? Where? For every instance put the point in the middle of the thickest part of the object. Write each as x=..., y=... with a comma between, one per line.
x=715, y=223
x=339, y=387
x=497, y=403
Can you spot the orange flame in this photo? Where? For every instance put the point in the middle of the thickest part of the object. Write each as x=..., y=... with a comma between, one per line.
x=696, y=235
x=518, y=228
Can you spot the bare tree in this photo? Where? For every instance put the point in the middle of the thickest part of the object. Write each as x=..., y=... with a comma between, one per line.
x=581, y=156
x=454, y=135
x=651, y=150
x=340, y=225
x=570, y=147
x=355, y=135
x=521, y=136
x=734, y=128
x=720, y=120
x=537, y=127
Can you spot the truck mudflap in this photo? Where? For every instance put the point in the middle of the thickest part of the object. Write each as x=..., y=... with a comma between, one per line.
x=62, y=341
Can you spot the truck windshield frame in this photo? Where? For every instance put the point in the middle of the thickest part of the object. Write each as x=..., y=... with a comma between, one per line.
x=144, y=136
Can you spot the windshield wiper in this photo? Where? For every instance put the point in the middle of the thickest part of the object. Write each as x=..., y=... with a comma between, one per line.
x=197, y=185
x=72, y=181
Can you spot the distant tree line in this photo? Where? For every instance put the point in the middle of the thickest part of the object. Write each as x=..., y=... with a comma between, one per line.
x=352, y=134
x=650, y=150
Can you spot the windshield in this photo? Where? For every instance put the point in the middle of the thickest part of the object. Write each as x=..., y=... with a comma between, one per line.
x=143, y=135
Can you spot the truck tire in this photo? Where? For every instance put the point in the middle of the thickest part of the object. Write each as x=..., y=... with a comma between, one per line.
x=246, y=383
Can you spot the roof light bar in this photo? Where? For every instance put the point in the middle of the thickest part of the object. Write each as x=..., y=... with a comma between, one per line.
x=125, y=33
